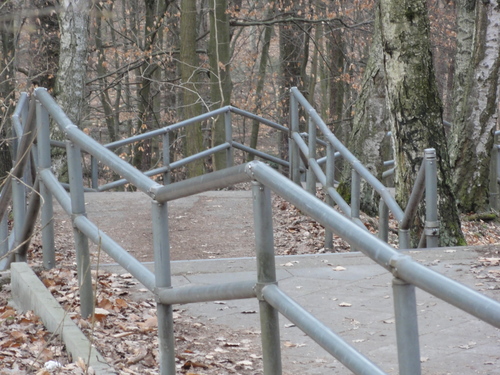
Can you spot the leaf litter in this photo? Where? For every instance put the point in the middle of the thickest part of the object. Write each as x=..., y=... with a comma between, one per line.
x=125, y=330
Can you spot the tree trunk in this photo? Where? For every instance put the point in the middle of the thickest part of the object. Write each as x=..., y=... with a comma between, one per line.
x=191, y=103
x=472, y=137
x=416, y=111
x=220, y=75
x=466, y=10
x=72, y=74
x=367, y=140
x=264, y=58
x=291, y=40
x=7, y=88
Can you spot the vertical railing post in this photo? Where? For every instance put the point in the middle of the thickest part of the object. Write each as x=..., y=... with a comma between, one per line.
x=19, y=211
x=161, y=247
x=431, y=209
x=4, y=239
x=266, y=274
x=81, y=241
x=383, y=221
x=405, y=311
x=166, y=158
x=94, y=172
x=47, y=211
x=229, y=139
x=330, y=183
x=294, y=148
x=355, y=194
x=493, y=197
x=311, y=177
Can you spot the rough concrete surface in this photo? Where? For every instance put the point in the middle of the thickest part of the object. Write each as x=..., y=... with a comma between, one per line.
x=354, y=300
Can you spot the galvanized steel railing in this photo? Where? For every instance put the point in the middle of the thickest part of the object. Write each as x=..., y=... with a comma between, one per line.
x=426, y=180
x=408, y=274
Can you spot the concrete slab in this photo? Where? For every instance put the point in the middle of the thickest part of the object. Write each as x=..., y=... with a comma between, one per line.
x=452, y=342
x=29, y=293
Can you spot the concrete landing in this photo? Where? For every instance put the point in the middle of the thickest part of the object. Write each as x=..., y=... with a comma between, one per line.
x=357, y=304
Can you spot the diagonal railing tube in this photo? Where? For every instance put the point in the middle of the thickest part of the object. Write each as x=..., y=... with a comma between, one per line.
x=114, y=162
x=402, y=266
x=355, y=164
x=324, y=336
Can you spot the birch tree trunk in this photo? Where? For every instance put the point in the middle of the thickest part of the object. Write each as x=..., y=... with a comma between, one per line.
x=466, y=10
x=189, y=75
x=472, y=137
x=416, y=111
x=367, y=140
x=70, y=84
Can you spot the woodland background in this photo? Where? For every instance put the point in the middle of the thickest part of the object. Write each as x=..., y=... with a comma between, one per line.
x=120, y=68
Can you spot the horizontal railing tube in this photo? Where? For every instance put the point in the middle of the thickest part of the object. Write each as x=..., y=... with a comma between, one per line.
x=195, y=185
x=114, y=162
x=324, y=336
x=206, y=293
x=403, y=266
x=177, y=164
x=154, y=133
x=261, y=154
x=260, y=119
x=115, y=251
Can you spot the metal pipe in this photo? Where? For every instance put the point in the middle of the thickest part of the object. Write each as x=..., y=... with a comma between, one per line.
x=355, y=194
x=115, y=251
x=415, y=198
x=114, y=162
x=388, y=173
x=349, y=157
x=389, y=163
x=22, y=157
x=164, y=169
x=29, y=226
x=310, y=176
x=44, y=163
x=94, y=172
x=54, y=188
x=301, y=144
x=294, y=129
x=167, y=178
x=446, y=289
x=330, y=183
x=261, y=154
x=214, y=180
x=81, y=241
x=431, y=200
x=206, y=293
x=262, y=120
x=383, y=221
x=266, y=275
x=170, y=128
x=405, y=312
x=324, y=336
x=228, y=127
x=161, y=246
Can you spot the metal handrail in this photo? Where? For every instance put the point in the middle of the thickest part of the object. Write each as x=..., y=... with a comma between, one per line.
x=408, y=273
x=404, y=218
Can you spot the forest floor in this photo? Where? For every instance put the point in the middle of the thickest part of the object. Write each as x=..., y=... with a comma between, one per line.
x=124, y=329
